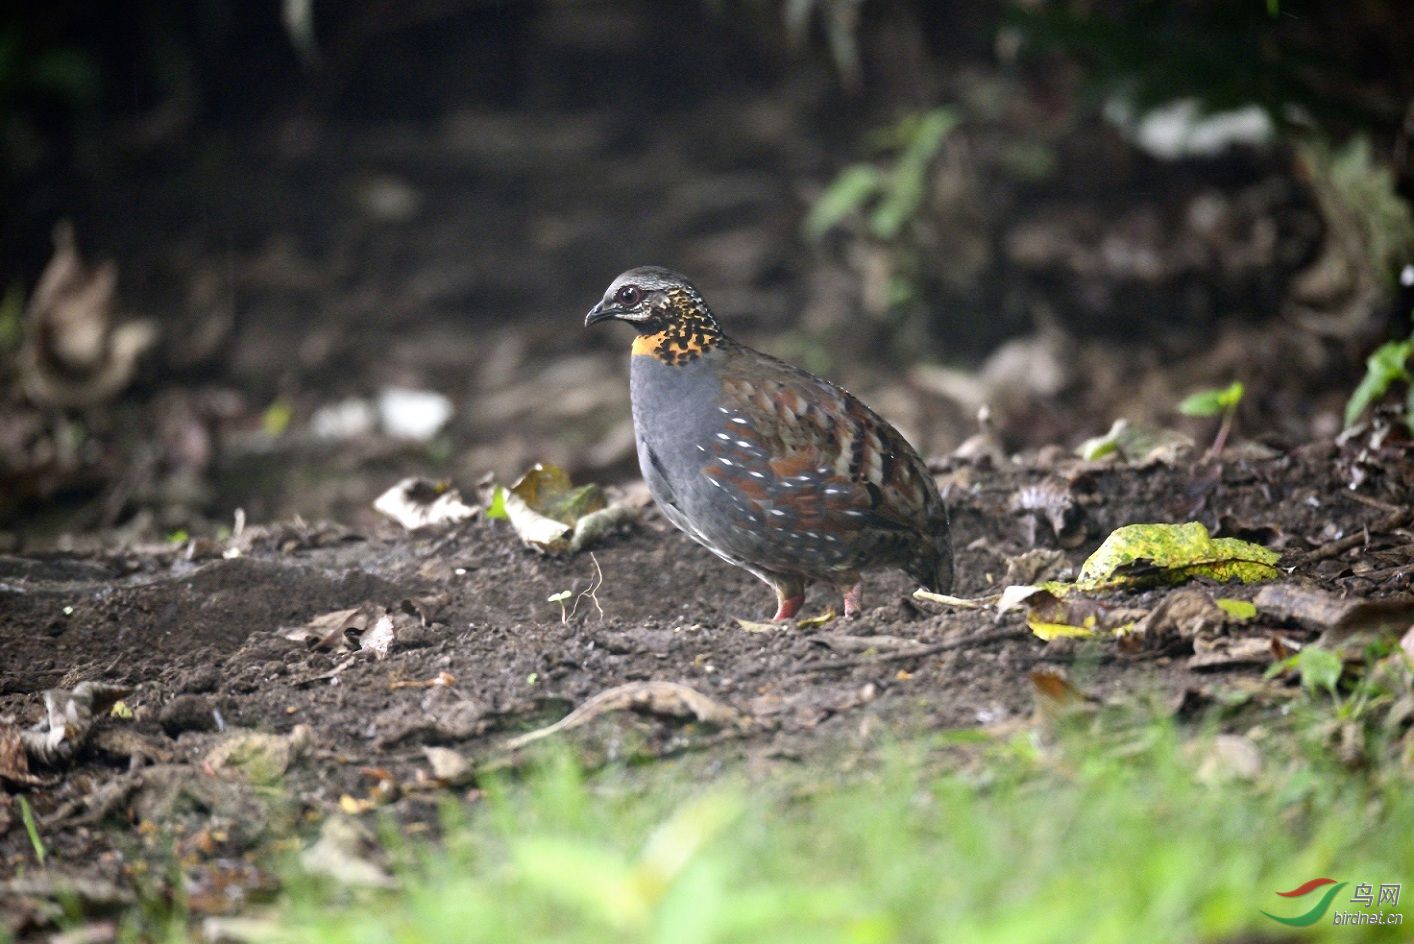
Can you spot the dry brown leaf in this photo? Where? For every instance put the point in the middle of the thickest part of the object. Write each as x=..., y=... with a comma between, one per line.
x=1056, y=698
x=73, y=354
x=1180, y=617
x=1336, y=615
x=14, y=760
x=1226, y=651
x=70, y=716
x=449, y=766
x=257, y=756
x=421, y=503
x=671, y=699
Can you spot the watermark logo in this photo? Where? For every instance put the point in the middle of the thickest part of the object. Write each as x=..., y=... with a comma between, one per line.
x=1364, y=896
x=1318, y=911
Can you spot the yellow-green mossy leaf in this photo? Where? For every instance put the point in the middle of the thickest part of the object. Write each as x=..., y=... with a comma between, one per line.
x=1240, y=610
x=1146, y=555
x=1052, y=617
x=546, y=489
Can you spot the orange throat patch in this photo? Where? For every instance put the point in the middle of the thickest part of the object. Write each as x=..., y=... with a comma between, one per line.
x=676, y=345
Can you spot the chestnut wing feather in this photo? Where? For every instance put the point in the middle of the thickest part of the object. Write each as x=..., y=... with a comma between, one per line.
x=807, y=462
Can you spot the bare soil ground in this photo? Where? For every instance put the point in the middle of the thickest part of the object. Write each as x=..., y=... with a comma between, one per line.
x=201, y=639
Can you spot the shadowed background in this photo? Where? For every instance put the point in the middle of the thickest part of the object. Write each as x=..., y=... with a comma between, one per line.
x=1056, y=213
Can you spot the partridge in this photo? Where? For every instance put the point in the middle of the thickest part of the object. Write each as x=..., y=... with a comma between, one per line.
x=770, y=467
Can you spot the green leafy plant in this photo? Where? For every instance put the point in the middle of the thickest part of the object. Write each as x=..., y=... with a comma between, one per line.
x=1387, y=366
x=1214, y=402
x=32, y=830
x=560, y=598
x=497, y=508
x=888, y=196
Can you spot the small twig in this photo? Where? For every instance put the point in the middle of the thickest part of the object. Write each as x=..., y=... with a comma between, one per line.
x=1386, y=507
x=591, y=592
x=977, y=639
x=1334, y=548
x=1383, y=572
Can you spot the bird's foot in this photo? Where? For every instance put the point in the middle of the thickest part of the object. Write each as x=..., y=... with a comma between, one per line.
x=851, y=600
x=787, y=607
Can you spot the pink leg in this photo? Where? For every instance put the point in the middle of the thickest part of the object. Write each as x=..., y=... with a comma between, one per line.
x=790, y=594
x=787, y=607
x=851, y=600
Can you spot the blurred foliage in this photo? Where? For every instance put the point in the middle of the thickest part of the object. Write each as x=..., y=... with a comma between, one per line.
x=41, y=81
x=1387, y=366
x=1226, y=55
x=1214, y=401
x=1364, y=191
x=883, y=199
x=66, y=74
x=889, y=196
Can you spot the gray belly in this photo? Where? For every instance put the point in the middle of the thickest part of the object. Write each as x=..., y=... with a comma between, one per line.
x=675, y=410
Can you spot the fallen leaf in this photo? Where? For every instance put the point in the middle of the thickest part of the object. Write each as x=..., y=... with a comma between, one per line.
x=672, y=699
x=1240, y=610
x=1180, y=617
x=74, y=353
x=1051, y=617
x=546, y=490
x=552, y=516
x=442, y=679
x=1137, y=444
x=257, y=756
x=1035, y=566
x=343, y=853
x=379, y=640
x=1013, y=598
x=1056, y=698
x=1144, y=555
x=449, y=766
x=421, y=503
x=1225, y=652
x=1336, y=615
x=1229, y=757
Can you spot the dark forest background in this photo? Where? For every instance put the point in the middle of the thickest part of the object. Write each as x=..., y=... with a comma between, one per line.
x=1057, y=212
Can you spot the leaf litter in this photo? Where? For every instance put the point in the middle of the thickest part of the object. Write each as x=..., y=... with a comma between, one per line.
x=476, y=654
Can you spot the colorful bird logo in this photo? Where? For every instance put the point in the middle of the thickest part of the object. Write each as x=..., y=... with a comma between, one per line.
x=1318, y=911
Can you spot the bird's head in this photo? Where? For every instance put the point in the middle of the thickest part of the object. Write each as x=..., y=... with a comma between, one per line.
x=652, y=299
x=673, y=323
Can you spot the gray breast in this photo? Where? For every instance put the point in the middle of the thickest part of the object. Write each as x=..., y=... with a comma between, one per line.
x=672, y=411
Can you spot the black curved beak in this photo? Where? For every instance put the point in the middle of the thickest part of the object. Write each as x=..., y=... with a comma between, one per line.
x=599, y=313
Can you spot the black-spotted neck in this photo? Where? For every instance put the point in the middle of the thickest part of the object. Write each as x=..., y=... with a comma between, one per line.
x=688, y=329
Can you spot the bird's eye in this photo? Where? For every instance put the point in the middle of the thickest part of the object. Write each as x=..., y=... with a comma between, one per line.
x=628, y=296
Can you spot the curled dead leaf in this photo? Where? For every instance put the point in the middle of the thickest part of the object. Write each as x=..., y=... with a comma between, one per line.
x=418, y=503
x=73, y=353
x=552, y=516
x=69, y=718
x=257, y=756
x=449, y=766
x=671, y=699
